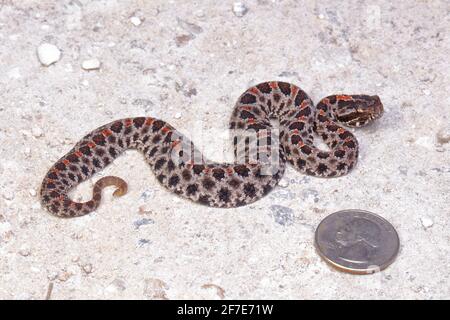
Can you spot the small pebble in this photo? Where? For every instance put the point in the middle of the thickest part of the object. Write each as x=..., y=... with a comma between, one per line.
x=177, y=115
x=239, y=9
x=37, y=132
x=64, y=275
x=143, y=242
x=155, y=289
x=32, y=192
x=24, y=252
x=443, y=135
x=283, y=215
x=426, y=92
x=199, y=13
x=142, y=222
x=283, y=183
x=116, y=285
x=146, y=194
x=426, y=222
x=136, y=21
x=14, y=73
x=48, y=54
x=87, y=268
x=8, y=195
x=91, y=64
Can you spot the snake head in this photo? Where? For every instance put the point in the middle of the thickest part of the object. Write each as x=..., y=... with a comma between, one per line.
x=358, y=110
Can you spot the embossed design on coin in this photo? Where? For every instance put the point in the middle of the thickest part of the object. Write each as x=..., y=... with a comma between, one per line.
x=357, y=241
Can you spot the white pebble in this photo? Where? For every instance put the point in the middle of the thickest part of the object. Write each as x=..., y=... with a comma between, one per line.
x=91, y=64
x=8, y=194
x=37, y=132
x=239, y=9
x=48, y=54
x=426, y=92
x=321, y=16
x=426, y=222
x=136, y=21
x=425, y=142
x=177, y=115
x=14, y=73
x=283, y=183
x=27, y=151
x=199, y=13
x=32, y=192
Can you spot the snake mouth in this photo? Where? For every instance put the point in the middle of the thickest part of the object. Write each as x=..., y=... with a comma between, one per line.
x=378, y=108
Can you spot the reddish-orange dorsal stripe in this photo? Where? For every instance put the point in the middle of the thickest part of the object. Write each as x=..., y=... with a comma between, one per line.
x=340, y=130
x=294, y=91
x=344, y=97
x=66, y=162
x=91, y=145
x=128, y=122
x=254, y=90
x=149, y=121
x=106, y=133
x=250, y=120
x=321, y=112
x=165, y=129
x=304, y=104
x=273, y=85
x=229, y=171
x=247, y=108
x=78, y=154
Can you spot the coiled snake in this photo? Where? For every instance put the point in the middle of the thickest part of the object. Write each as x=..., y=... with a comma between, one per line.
x=261, y=151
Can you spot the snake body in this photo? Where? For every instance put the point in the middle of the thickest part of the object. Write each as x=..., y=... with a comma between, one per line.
x=260, y=150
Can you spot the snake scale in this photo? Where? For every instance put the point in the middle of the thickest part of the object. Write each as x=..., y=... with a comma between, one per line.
x=261, y=151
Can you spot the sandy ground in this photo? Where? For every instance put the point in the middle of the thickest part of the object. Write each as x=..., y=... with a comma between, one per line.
x=186, y=62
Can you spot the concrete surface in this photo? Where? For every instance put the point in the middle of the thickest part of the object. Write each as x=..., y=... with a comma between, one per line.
x=186, y=62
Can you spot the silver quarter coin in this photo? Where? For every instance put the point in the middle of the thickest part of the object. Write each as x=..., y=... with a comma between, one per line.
x=357, y=241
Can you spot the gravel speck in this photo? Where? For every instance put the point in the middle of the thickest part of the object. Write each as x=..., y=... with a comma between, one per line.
x=284, y=182
x=142, y=222
x=37, y=132
x=116, y=285
x=189, y=27
x=146, y=194
x=443, y=135
x=239, y=9
x=282, y=194
x=91, y=64
x=8, y=194
x=183, y=39
x=135, y=21
x=87, y=268
x=143, y=242
x=48, y=54
x=155, y=289
x=426, y=222
x=283, y=215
